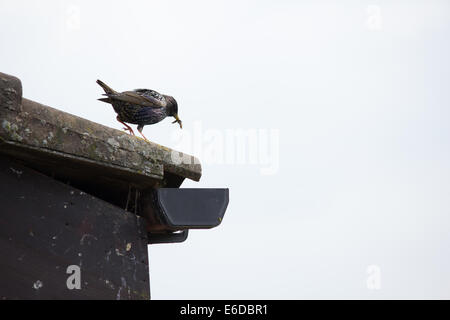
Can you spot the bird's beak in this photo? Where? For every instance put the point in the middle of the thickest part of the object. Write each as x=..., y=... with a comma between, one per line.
x=178, y=120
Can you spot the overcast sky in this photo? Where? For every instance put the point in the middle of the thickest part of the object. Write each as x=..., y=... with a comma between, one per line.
x=347, y=191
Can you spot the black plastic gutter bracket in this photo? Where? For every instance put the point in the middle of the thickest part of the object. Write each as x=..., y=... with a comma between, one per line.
x=171, y=212
x=169, y=237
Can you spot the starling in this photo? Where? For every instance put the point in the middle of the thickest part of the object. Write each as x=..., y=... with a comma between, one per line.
x=140, y=106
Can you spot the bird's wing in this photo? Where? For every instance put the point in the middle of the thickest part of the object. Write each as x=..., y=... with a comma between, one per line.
x=152, y=95
x=139, y=99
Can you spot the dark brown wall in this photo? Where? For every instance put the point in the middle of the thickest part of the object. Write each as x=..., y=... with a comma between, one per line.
x=46, y=225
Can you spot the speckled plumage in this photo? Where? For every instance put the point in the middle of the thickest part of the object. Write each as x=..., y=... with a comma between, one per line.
x=140, y=106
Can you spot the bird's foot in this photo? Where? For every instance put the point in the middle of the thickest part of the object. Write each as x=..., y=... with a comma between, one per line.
x=130, y=131
x=143, y=136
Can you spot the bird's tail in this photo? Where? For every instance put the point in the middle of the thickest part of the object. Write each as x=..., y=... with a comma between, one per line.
x=107, y=89
x=107, y=100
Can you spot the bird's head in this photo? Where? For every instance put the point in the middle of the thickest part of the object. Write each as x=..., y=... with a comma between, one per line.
x=172, y=110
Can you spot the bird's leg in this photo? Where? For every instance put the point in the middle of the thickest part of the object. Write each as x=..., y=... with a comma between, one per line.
x=140, y=131
x=127, y=127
